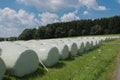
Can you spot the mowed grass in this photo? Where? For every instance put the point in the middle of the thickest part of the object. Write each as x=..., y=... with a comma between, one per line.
x=98, y=64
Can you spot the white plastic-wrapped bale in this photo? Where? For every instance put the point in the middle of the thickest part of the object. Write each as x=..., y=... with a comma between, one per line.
x=87, y=45
x=102, y=38
x=91, y=45
x=72, y=47
x=49, y=41
x=61, y=46
x=108, y=39
x=81, y=48
x=80, y=45
x=63, y=51
x=95, y=43
x=2, y=68
x=19, y=60
x=98, y=43
x=48, y=54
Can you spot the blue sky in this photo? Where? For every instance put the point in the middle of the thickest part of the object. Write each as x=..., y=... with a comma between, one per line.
x=16, y=15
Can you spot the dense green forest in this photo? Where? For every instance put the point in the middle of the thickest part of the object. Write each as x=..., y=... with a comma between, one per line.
x=74, y=28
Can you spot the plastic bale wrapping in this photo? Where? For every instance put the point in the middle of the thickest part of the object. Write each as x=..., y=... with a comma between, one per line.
x=53, y=48
x=106, y=39
x=80, y=45
x=103, y=38
x=63, y=51
x=48, y=54
x=91, y=45
x=87, y=45
x=97, y=40
x=73, y=48
x=91, y=41
x=95, y=43
x=2, y=69
x=81, y=49
x=49, y=41
x=98, y=43
x=19, y=60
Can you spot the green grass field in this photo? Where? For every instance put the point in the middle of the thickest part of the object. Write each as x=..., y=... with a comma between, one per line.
x=98, y=64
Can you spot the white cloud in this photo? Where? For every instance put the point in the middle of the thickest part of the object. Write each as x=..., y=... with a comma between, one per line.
x=12, y=22
x=47, y=18
x=119, y=1
x=69, y=17
x=85, y=13
x=8, y=31
x=51, y=4
x=102, y=8
x=92, y=4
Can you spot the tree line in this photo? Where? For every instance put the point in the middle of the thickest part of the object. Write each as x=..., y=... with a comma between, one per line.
x=8, y=39
x=74, y=28
x=99, y=26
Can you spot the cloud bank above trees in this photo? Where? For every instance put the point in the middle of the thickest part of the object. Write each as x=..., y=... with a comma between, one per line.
x=13, y=21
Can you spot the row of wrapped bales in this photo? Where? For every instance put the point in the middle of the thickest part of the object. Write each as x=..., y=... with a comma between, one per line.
x=88, y=43
x=65, y=46
x=2, y=68
x=48, y=54
x=73, y=49
x=63, y=49
x=19, y=60
x=78, y=46
x=61, y=46
x=81, y=47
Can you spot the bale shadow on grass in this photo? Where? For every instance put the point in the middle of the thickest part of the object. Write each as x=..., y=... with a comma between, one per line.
x=8, y=76
x=81, y=54
x=70, y=59
x=39, y=72
x=58, y=65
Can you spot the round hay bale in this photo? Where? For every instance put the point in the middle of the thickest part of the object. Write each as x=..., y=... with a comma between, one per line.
x=87, y=46
x=98, y=43
x=91, y=45
x=48, y=54
x=2, y=69
x=63, y=51
x=94, y=43
x=81, y=49
x=61, y=46
x=51, y=57
x=49, y=41
x=19, y=60
x=74, y=49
